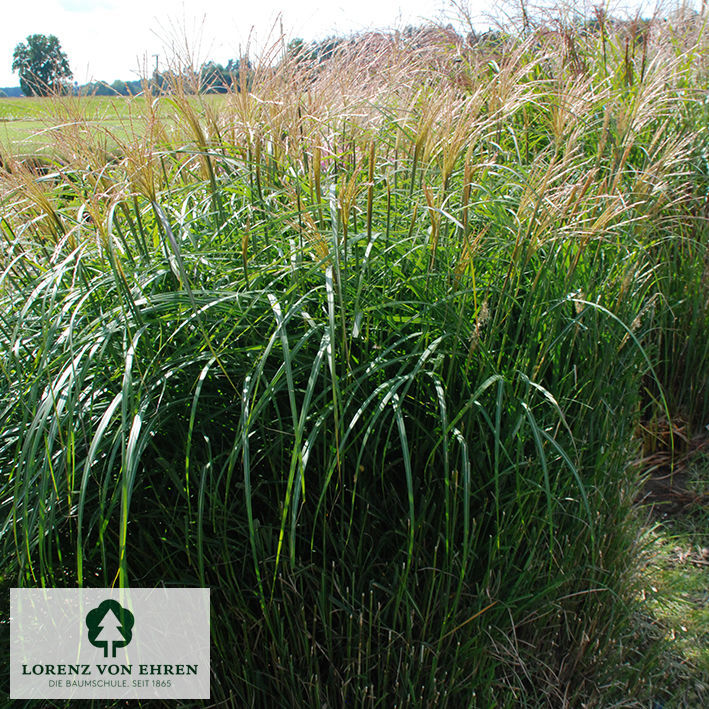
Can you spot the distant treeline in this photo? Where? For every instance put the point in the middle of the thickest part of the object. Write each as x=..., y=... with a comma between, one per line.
x=211, y=78
x=10, y=92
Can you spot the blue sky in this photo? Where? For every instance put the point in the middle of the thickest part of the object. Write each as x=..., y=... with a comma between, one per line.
x=113, y=39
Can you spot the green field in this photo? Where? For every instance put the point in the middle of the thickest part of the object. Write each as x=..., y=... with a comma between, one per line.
x=39, y=125
x=380, y=351
x=26, y=124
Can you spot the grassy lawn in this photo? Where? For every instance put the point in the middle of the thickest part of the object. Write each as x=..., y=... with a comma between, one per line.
x=21, y=120
x=37, y=126
x=676, y=577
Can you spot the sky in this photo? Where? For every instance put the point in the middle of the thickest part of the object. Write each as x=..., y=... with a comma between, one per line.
x=113, y=39
x=106, y=40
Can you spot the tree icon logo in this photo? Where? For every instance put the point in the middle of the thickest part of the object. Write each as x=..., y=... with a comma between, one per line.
x=110, y=626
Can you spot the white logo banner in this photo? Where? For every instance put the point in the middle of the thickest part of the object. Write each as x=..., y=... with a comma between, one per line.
x=92, y=643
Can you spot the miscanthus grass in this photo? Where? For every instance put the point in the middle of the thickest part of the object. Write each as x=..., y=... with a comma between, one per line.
x=364, y=349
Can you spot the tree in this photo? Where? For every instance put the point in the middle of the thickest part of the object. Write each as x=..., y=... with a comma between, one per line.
x=296, y=49
x=215, y=78
x=42, y=65
x=241, y=74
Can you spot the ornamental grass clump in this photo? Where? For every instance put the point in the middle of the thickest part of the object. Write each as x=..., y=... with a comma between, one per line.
x=364, y=352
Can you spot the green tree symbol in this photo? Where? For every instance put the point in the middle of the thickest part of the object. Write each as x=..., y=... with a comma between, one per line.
x=110, y=626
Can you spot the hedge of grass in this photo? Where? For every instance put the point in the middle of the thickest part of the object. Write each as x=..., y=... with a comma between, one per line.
x=366, y=356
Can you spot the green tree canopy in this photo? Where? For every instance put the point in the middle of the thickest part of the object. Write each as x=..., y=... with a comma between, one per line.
x=42, y=65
